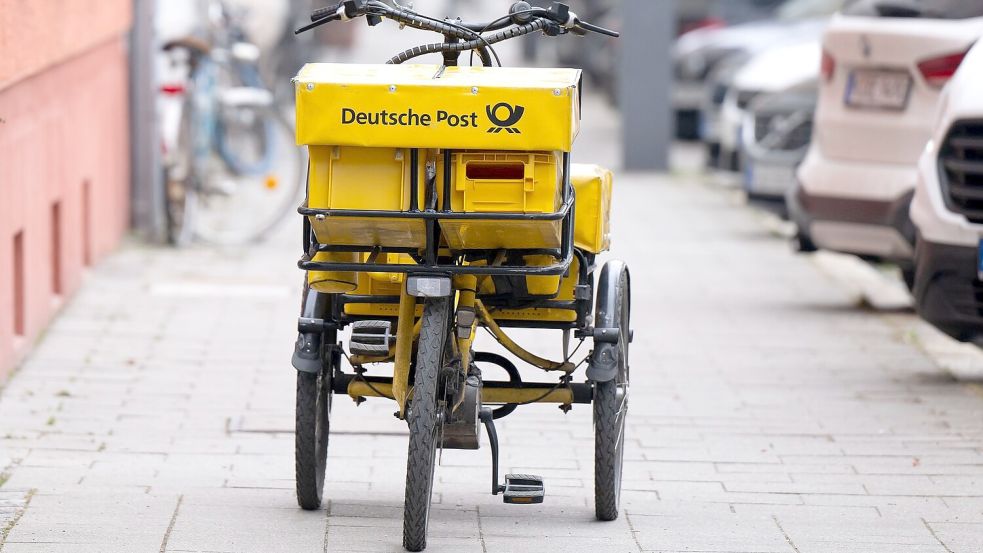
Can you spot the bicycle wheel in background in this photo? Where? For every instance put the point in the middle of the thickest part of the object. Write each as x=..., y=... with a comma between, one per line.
x=180, y=196
x=237, y=206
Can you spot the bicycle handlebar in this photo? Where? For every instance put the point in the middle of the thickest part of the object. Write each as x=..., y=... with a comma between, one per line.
x=557, y=19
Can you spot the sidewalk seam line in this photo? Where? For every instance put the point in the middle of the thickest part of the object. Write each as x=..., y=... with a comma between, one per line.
x=170, y=525
x=327, y=525
x=481, y=532
x=936, y=536
x=788, y=538
x=634, y=533
x=5, y=531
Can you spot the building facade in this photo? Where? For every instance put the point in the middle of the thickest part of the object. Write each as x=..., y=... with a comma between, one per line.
x=64, y=155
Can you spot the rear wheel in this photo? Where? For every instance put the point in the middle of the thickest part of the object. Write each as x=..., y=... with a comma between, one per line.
x=312, y=428
x=424, y=422
x=610, y=412
x=180, y=187
x=908, y=276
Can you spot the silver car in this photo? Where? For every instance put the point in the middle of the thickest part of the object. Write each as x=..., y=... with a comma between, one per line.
x=775, y=137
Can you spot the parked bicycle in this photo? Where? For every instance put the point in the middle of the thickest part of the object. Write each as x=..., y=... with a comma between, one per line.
x=231, y=172
x=442, y=200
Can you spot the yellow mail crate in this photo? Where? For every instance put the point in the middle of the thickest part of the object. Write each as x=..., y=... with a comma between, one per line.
x=593, y=186
x=371, y=179
x=502, y=182
x=426, y=106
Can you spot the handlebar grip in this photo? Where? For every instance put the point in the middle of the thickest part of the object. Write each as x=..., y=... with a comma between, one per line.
x=326, y=11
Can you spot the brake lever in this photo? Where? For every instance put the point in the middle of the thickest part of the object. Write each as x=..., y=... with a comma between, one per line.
x=596, y=29
x=318, y=23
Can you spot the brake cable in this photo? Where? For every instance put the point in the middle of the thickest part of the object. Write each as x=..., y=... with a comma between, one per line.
x=426, y=23
x=496, y=23
x=511, y=32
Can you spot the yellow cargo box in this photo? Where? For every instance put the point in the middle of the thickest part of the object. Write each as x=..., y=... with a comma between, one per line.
x=427, y=106
x=370, y=179
x=503, y=182
x=593, y=186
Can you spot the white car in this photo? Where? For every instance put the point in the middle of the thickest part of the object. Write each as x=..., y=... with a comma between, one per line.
x=947, y=209
x=699, y=55
x=884, y=65
x=771, y=71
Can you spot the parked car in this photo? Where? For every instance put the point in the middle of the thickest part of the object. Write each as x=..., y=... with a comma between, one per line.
x=715, y=93
x=698, y=54
x=770, y=71
x=883, y=67
x=947, y=209
x=775, y=136
x=800, y=21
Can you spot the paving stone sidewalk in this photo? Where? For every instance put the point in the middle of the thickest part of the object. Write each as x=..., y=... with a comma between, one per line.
x=769, y=413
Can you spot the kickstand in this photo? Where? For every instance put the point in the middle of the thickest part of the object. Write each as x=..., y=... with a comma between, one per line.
x=486, y=417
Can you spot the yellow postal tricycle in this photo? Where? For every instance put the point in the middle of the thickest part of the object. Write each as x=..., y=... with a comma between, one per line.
x=441, y=199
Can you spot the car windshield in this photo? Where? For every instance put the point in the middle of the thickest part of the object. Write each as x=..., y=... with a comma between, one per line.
x=795, y=10
x=927, y=9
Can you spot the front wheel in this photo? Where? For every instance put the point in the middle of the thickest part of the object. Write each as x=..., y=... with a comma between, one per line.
x=424, y=422
x=611, y=410
x=313, y=425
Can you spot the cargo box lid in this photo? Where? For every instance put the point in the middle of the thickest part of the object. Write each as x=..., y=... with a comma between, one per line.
x=425, y=106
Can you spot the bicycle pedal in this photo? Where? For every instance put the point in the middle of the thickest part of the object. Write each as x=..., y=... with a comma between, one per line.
x=372, y=338
x=524, y=489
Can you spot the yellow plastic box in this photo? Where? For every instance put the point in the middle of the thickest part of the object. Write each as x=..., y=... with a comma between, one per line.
x=427, y=106
x=372, y=179
x=502, y=182
x=593, y=186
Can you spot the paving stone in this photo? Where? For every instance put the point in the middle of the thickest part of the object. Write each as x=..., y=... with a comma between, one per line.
x=246, y=529
x=709, y=533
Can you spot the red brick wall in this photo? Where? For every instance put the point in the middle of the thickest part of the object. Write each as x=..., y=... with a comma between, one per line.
x=36, y=34
x=64, y=155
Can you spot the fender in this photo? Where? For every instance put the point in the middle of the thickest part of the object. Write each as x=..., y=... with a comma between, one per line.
x=603, y=365
x=308, y=351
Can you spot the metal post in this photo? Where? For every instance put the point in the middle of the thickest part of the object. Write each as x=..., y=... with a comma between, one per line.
x=147, y=200
x=645, y=82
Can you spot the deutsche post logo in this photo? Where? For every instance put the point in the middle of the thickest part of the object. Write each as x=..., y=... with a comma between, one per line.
x=512, y=116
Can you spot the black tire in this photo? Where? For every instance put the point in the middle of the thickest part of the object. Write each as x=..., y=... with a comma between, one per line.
x=312, y=430
x=424, y=424
x=908, y=276
x=803, y=243
x=179, y=184
x=610, y=412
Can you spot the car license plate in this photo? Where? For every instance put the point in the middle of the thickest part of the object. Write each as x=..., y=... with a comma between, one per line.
x=877, y=89
x=771, y=180
x=979, y=261
x=710, y=127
